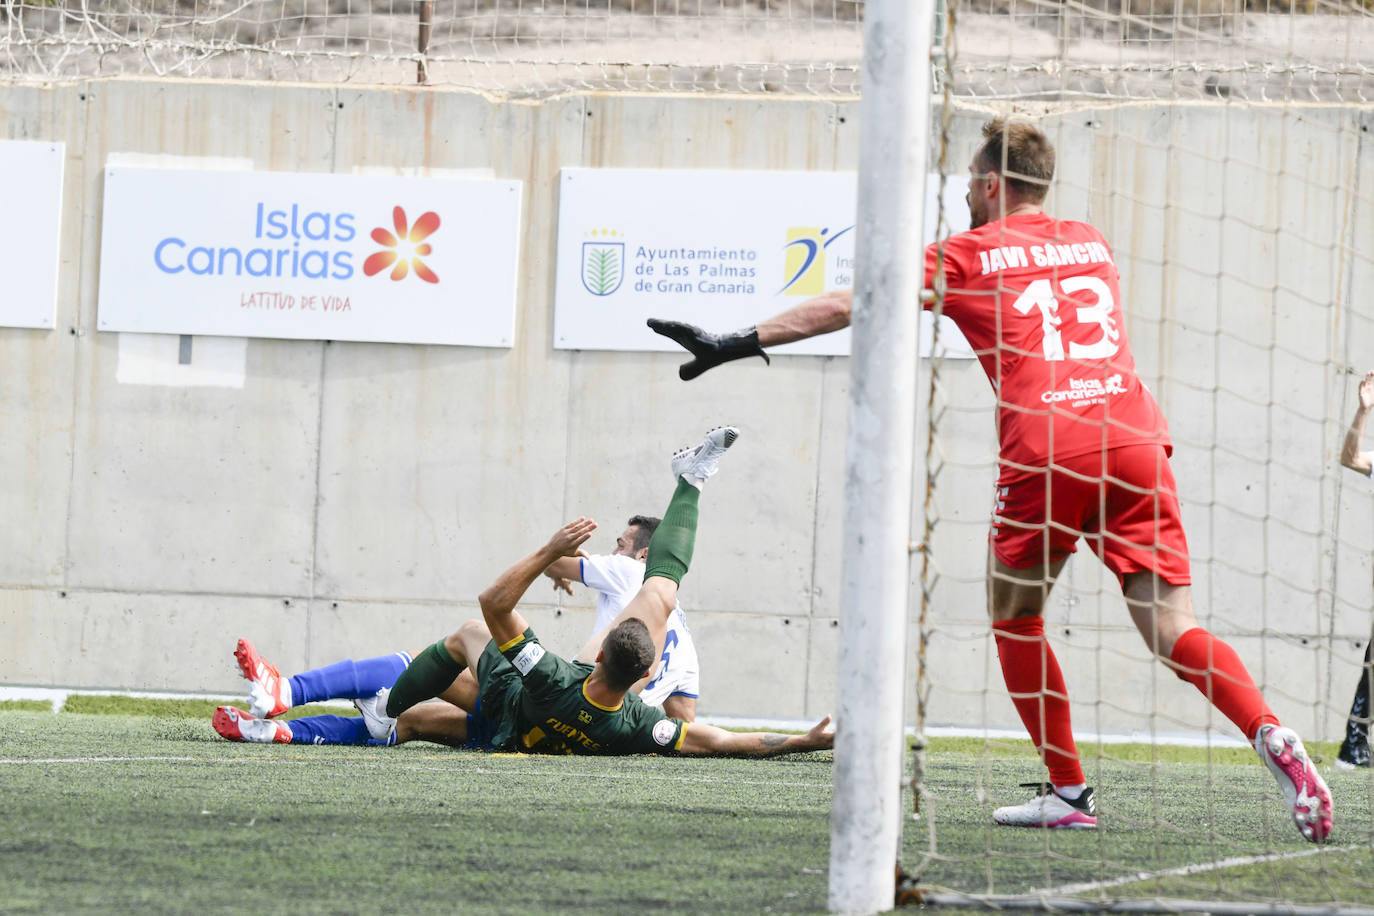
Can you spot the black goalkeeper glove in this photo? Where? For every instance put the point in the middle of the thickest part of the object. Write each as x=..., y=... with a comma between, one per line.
x=708, y=350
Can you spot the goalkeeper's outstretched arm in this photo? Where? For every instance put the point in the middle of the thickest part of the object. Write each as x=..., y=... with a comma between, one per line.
x=818, y=315
x=707, y=739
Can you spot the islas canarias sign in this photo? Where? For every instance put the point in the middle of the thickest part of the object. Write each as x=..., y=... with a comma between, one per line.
x=310, y=256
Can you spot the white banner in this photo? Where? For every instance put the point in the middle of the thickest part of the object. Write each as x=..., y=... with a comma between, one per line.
x=718, y=249
x=310, y=256
x=31, y=237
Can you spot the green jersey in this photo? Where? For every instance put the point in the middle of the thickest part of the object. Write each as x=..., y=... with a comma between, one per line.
x=538, y=704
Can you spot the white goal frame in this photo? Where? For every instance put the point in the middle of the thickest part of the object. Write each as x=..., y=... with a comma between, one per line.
x=880, y=456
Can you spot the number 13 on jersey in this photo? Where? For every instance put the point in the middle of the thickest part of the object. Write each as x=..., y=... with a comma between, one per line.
x=1040, y=295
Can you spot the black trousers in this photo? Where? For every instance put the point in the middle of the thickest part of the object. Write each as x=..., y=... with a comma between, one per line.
x=1357, y=725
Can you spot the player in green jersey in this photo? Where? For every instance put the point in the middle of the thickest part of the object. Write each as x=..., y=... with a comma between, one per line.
x=537, y=702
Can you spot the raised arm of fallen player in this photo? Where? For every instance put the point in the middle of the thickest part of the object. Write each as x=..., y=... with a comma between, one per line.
x=565, y=571
x=707, y=739
x=498, y=602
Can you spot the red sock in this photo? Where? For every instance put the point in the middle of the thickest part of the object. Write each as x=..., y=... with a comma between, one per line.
x=1213, y=667
x=1037, y=688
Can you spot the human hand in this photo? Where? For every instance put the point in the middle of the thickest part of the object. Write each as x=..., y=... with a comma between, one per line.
x=1367, y=390
x=821, y=737
x=708, y=350
x=566, y=540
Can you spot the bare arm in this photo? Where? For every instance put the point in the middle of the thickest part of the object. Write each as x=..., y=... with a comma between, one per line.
x=817, y=315
x=500, y=598
x=707, y=739
x=1351, y=456
x=565, y=571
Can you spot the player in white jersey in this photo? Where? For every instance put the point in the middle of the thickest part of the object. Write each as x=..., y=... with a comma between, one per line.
x=617, y=577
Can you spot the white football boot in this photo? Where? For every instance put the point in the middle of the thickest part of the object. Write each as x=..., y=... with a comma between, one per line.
x=696, y=463
x=373, y=710
x=1051, y=811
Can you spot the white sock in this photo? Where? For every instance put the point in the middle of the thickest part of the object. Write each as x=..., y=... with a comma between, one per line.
x=259, y=731
x=1071, y=793
x=261, y=701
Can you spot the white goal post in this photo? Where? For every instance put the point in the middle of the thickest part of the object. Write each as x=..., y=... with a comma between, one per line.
x=871, y=674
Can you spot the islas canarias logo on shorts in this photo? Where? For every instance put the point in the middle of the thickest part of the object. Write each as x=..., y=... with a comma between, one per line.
x=603, y=262
x=405, y=249
x=804, y=266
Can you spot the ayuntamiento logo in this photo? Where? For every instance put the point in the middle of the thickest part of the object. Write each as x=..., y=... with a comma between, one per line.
x=603, y=263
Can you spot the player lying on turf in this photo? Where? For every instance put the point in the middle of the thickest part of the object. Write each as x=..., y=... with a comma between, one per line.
x=533, y=701
x=615, y=577
x=1039, y=300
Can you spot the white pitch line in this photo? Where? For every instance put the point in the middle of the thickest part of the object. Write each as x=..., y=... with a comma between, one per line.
x=1067, y=890
x=89, y=759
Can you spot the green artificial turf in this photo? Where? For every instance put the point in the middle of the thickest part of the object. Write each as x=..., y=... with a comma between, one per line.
x=112, y=812
x=91, y=704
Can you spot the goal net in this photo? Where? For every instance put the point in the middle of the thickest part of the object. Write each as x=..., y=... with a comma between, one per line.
x=1223, y=149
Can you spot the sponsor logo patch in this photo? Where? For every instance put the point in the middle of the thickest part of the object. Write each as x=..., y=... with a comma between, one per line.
x=664, y=731
x=528, y=658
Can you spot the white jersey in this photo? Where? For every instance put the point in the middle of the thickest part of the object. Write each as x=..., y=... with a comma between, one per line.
x=617, y=579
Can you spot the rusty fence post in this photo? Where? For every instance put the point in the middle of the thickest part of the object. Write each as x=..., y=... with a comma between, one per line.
x=426, y=18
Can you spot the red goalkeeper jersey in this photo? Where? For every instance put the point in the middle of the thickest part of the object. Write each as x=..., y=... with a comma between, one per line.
x=1040, y=303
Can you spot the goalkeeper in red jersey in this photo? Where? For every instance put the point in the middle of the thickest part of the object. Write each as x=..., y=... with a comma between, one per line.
x=1084, y=454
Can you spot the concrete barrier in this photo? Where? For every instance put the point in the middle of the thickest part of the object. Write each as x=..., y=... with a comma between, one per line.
x=352, y=499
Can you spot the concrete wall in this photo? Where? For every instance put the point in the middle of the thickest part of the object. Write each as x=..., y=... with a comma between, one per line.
x=351, y=499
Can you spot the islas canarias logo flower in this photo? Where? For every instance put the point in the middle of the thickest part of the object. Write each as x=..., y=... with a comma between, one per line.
x=403, y=251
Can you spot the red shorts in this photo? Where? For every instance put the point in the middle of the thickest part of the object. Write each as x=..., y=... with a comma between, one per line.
x=1123, y=501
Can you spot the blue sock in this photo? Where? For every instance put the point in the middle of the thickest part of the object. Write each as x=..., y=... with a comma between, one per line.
x=348, y=679
x=333, y=730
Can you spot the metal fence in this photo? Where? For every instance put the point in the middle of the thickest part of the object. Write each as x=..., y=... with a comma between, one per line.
x=1028, y=49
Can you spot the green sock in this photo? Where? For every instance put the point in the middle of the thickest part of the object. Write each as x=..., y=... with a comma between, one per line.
x=670, y=549
x=427, y=677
